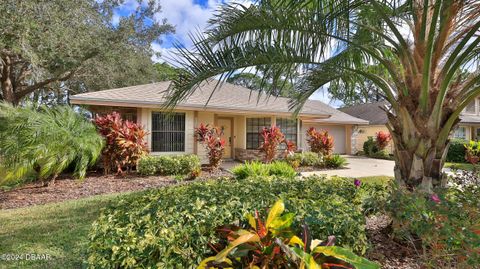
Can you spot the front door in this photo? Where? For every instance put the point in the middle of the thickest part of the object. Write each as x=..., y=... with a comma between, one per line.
x=225, y=125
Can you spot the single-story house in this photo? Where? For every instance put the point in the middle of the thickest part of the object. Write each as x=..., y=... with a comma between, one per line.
x=468, y=128
x=240, y=112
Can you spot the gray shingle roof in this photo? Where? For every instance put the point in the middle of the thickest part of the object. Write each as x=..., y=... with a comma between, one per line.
x=370, y=112
x=228, y=97
x=473, y=119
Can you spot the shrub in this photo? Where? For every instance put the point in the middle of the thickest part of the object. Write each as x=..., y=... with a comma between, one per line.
x=370, y=146
x=445, y=227
x=258, y=169
x=383, y=138
x=456, y=151
x=307, y=158
x=320, y=141
x=42, y=143
x=472, y=150
x=125, y=143
x=281, y=169
x=295, y=160
x=334, y=161
x=272, y=138
x=211, y=138
x=172, y=227
x=310, y=158
x=169, y=165
x=272, y=243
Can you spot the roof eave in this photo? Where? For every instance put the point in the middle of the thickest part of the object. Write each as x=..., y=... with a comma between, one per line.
x=79, y=100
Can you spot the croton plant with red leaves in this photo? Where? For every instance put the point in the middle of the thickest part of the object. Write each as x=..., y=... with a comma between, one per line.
x=125, y=143
x=383, y=138
x=320, y=141
x=211, y=138
x=272, y=138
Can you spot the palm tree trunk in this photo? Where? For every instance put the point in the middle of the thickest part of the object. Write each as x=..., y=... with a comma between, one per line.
x=419, y=151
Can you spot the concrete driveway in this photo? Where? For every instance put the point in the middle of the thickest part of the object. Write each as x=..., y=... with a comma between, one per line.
x=359, y=166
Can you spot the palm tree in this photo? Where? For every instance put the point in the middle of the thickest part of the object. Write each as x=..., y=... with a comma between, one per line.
x=42, y=143
x=428, y=49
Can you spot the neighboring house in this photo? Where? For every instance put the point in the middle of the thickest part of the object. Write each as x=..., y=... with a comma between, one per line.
x=240, y=112
x=376, y=118
x=468, y=128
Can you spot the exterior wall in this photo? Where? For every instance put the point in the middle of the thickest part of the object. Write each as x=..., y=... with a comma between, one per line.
x=470, y=132
x=146, y=120
x=339, y=133
x=363, y=132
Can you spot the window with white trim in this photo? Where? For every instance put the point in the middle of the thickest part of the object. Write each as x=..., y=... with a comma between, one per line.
x=168, y=132
x=254, y=128
x=460, y=133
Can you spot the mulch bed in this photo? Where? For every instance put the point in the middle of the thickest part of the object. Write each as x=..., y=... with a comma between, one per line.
x=67, y=188
x=385, y=249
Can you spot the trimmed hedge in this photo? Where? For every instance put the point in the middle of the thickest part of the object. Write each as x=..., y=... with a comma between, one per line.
x=171, y=227
x=456, y=151
x=169, y=165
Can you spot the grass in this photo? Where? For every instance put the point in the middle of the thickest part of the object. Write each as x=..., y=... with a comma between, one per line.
x=462, y=166
x=59, y=230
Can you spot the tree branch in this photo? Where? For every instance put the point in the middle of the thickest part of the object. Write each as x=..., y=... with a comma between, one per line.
x=28, y=89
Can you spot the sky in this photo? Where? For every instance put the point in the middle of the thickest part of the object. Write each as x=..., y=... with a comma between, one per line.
x=189, y=16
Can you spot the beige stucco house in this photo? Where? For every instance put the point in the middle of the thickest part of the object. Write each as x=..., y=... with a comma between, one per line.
x=240, y=112
x=468, y=129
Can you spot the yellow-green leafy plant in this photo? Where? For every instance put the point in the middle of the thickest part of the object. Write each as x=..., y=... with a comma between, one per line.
x=40, y=143
x=271, y=243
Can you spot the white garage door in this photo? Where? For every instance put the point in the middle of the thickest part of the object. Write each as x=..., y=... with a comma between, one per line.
x=337, y=131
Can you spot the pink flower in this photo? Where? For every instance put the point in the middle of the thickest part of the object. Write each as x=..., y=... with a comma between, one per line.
x=357, y=182
x=435, y=198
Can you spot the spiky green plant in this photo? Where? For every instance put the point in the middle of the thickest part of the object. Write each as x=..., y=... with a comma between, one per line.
x=40, y=143
x=425, y=54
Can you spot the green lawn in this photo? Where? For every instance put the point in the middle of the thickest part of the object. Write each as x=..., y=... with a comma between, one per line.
x=59, y=230
x=462, y=166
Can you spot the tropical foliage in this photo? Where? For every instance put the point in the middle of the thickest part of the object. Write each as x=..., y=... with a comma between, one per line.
x=443, y=227
x=306, y=158
x=382, y=140
x=259, y=81
x=272, y=243
x=125, y=143
x=172, y=227
x=211, y=138
x=472, y=151
x=426, y=53
x=334, y=161
x=272, y=138
x=258, y=169
x=40, y=143
x=320, y=142
x=183, y=165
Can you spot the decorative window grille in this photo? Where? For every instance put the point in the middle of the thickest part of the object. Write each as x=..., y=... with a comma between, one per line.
x=254, y=127
x=289, y=128
x=168, y=132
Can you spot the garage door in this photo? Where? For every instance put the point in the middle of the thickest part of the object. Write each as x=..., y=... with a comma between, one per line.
x=337, y=131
